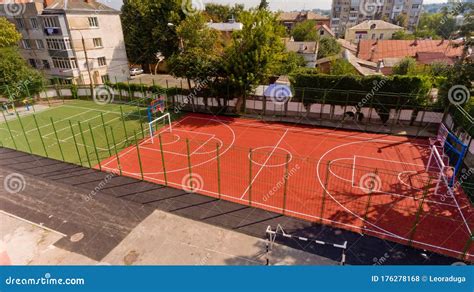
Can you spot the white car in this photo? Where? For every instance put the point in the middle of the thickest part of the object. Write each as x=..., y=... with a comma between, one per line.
x=136, y=71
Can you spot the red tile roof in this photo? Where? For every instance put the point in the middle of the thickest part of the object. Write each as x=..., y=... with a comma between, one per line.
x=375, y=50
x=427, y=58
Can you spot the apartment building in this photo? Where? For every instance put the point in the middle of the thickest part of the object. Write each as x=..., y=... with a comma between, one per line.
x=71, y=41
x=348, y=13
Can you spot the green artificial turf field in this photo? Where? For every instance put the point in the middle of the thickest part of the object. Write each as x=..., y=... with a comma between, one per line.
x=78, y=125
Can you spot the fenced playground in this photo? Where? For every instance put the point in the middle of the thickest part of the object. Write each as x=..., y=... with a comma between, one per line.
x=395, y=188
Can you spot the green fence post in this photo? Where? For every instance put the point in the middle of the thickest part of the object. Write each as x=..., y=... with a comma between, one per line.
x=9, y=130
x=138, y=154
x=218, y=171
x=326, y=184
x=123, y=123
x=105, y=132
x=95, y=147
x=285, y=189
x=24, y=133
x=75, y=142
x=418, y=212
x=47, y=98
x=163, y=160
x=467, y=246
x=57, y=139
x=189, y=166
x=142, y=129
x=250, y=177
x=84, y=143
x=41, y=137
x=116, y=151
x=367, y=207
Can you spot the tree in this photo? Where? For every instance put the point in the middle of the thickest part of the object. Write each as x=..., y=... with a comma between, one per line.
x=146, y=29
x=17, y=79
x=405, y=67
x=198, y=59
x=9, y=36
x=255, y=52
x=263, y=4
x=436, y=25
x=328, y=47
x=222, y=13
x=291, y=61
x=305, y=31
x=342, y=67
x=401, y=20
x=403, y=35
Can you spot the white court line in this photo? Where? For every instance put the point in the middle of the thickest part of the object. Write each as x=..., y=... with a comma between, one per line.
x=330, y=170
x=32, y=223
x=164, y=151
x=97, y=110
x=279, y=209
x=202, y=145
x=67, y=127
x=263, y=165
x=354, y=185
x=391, y=161
x=174, y=125
x=62, y=120
x=87, y=130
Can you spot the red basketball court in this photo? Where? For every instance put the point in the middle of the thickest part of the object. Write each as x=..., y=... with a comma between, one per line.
x=369, y=183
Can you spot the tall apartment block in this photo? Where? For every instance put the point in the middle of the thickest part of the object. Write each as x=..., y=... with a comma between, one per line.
x=71, y=41
x=347, y=13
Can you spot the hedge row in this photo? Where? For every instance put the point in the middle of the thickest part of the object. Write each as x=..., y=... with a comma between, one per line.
x=387, y=90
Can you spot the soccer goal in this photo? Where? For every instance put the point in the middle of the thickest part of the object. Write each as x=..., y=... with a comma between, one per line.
x=439, y=164
x=451, y=149
x=153, y=125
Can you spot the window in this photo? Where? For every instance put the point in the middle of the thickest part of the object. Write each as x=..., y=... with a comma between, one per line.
x=32, y=62
x=20, y=23
x=373, y=36
x=40, y=44
x=97, y=42
x=64, y=63
x=51, y=22
x=58, y=44
x=93, y=22
x=381, y=36
x=415, y=6
x=46, y=64
x=105, y=78
x=26, y=44
x=34, y=23
x=102, y=61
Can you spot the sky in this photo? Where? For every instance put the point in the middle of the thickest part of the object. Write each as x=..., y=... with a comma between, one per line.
x=285, y=5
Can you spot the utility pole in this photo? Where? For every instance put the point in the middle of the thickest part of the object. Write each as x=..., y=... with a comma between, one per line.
x=87, y=65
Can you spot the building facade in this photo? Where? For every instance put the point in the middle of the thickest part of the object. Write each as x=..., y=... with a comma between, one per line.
x=348, y=13
x=371, y=30
x=75, y=41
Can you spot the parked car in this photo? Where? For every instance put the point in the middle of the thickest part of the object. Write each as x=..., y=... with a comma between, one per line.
x=136, y=71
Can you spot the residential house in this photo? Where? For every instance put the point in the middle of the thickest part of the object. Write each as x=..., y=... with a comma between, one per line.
x=324, y=31
x=71, y=41
x=362, y=67
x=348, y=13
x=390, y=52
x=371, y=30
x=308, y=50
x=289, y=19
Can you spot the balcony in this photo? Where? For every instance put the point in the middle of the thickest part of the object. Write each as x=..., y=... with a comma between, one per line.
x=52, y=31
